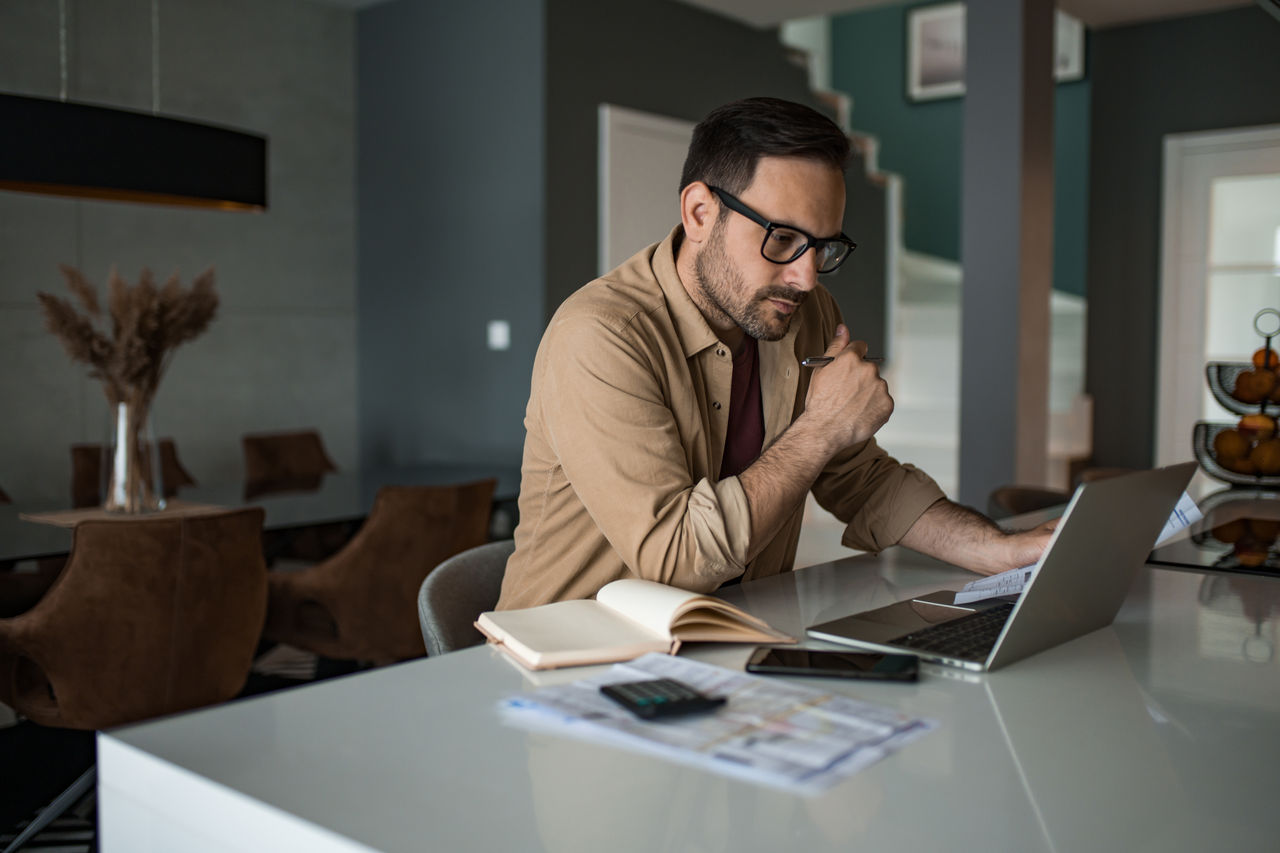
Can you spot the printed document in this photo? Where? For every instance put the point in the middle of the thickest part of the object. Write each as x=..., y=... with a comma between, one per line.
x=1012, y=582
x=770, y=731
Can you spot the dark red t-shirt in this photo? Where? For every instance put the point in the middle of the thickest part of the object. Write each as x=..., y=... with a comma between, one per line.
x=746, y=413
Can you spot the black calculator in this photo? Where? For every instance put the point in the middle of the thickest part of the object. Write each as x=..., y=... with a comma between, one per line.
x=660, y=697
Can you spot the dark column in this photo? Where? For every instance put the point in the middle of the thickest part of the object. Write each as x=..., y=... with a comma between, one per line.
x=1006, y=245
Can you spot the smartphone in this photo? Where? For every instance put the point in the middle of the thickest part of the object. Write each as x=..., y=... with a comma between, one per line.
x=871, y=665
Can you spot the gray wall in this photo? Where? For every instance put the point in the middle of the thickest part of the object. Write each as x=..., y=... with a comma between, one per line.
x=678, y=61
x=451, y=137
x=478, y=191
x=281, y=353
x=1199, y=73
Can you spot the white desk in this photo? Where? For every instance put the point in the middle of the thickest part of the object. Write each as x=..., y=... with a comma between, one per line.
x=1155, y=734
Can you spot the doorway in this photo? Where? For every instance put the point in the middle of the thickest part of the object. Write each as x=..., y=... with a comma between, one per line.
x=1220, y=265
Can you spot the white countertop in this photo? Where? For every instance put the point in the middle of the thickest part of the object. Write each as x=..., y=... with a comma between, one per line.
x=1158, y=733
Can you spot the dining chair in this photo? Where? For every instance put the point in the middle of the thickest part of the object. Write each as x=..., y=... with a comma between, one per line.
x=359, y=603
x=86, y=472
x=455, y=594
x=20, y=590
x=1015, y=500
x=1089, y=475
x=284, y=462
x=150, y=616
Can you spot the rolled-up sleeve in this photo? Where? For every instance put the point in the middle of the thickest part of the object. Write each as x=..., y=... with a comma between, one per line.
x=608, y=419
x=876, y=496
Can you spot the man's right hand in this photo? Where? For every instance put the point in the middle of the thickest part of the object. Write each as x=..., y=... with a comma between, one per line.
x=847, y=398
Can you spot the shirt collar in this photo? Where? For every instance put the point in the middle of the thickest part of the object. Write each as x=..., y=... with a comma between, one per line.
x=695, y=333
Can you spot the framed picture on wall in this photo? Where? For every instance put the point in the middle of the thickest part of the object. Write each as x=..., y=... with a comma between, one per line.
x=935, y=51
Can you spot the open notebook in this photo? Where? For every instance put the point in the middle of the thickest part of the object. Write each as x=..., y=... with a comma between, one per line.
x=626, y=619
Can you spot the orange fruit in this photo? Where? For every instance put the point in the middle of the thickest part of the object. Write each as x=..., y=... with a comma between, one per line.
x=1257, y=427
x=1266, y=358
x=1252, y=386
x=1266, y=456
x=1241, y=465
x=1230, y=444
x=1265, y=529
x=1251, y=555
x=1229, y=532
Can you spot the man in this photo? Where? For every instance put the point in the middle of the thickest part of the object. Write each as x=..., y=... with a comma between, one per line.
x=672, y=431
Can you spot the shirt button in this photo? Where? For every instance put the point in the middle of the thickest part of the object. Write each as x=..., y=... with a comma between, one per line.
x=715, y=406
x=720, y=352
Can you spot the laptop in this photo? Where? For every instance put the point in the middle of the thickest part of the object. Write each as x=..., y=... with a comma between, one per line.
x=1100, y=543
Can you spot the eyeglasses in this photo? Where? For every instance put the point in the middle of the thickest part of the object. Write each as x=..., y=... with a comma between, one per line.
x=784, y=243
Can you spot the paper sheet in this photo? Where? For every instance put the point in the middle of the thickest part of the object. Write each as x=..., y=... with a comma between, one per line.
x=1013, y=581
x=770, y=731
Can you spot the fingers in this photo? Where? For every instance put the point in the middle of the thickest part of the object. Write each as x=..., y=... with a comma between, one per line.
x=839, y=342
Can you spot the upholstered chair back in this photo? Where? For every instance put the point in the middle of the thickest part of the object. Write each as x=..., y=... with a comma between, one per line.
x=360, y=604
x=149, y=616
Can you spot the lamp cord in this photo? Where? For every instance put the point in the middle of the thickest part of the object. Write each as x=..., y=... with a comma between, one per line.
x=62, y=49
x=155, y=56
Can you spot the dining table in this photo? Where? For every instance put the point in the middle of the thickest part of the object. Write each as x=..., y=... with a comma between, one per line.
x=343, y=496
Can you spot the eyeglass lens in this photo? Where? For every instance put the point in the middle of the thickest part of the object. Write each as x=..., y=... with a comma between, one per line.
x=784, y=245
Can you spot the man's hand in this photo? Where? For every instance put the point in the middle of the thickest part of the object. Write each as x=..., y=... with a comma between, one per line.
x=1026, y=546
x=847, y=398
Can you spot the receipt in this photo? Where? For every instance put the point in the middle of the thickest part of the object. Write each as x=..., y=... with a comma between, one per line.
x=1013, y=581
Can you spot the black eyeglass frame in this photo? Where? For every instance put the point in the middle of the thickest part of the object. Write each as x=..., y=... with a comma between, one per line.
x=817, y=243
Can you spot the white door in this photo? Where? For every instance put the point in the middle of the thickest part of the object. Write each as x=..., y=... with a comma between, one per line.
x=1220, y=266
x=641, y=157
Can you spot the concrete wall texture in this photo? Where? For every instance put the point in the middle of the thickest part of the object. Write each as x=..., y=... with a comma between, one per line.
x=282, y=351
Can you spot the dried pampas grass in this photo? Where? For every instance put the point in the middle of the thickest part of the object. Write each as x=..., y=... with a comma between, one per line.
x=130, y=347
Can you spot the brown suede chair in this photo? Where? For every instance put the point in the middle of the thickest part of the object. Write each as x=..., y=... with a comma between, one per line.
x=1089, y=475
x=1015, y=500
x=361, y=603
x=86, y=472
x=150, y=616
x=284, y=462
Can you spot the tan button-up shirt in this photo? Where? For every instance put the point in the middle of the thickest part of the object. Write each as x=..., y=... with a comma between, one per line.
x=628, y=408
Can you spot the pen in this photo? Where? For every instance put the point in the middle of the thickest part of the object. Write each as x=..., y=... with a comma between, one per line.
x=819, y=360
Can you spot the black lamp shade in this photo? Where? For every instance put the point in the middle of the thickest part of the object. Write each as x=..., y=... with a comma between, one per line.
x=73, y=149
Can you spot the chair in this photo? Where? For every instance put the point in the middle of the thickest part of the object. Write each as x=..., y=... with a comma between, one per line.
x=358, y=604
x=1089, y=475
x=86, y=472
x=1015, y=500
x=284, y=462
x=458, y=591
x=150, y=616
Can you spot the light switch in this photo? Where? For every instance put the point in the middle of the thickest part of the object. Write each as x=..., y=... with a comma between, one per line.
x=499, y=335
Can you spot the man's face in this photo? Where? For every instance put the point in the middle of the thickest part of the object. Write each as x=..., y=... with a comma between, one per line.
x=736, y=283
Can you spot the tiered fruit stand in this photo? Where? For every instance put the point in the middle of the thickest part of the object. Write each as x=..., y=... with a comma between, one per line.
x=1257, y=465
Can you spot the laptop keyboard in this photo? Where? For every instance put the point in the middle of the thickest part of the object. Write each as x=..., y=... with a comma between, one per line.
x=967, y=637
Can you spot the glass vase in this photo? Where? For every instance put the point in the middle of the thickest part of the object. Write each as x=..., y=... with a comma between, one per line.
x=131, y=468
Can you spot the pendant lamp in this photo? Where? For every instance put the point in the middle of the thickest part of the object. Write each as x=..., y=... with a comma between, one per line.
x=67, y=148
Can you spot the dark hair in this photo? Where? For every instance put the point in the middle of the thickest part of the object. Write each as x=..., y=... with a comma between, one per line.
x=730, y=141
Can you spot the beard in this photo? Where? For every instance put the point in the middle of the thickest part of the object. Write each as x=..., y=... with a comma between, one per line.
x=724, y=291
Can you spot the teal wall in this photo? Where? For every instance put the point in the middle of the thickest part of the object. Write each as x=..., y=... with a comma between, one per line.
x=921, y=142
